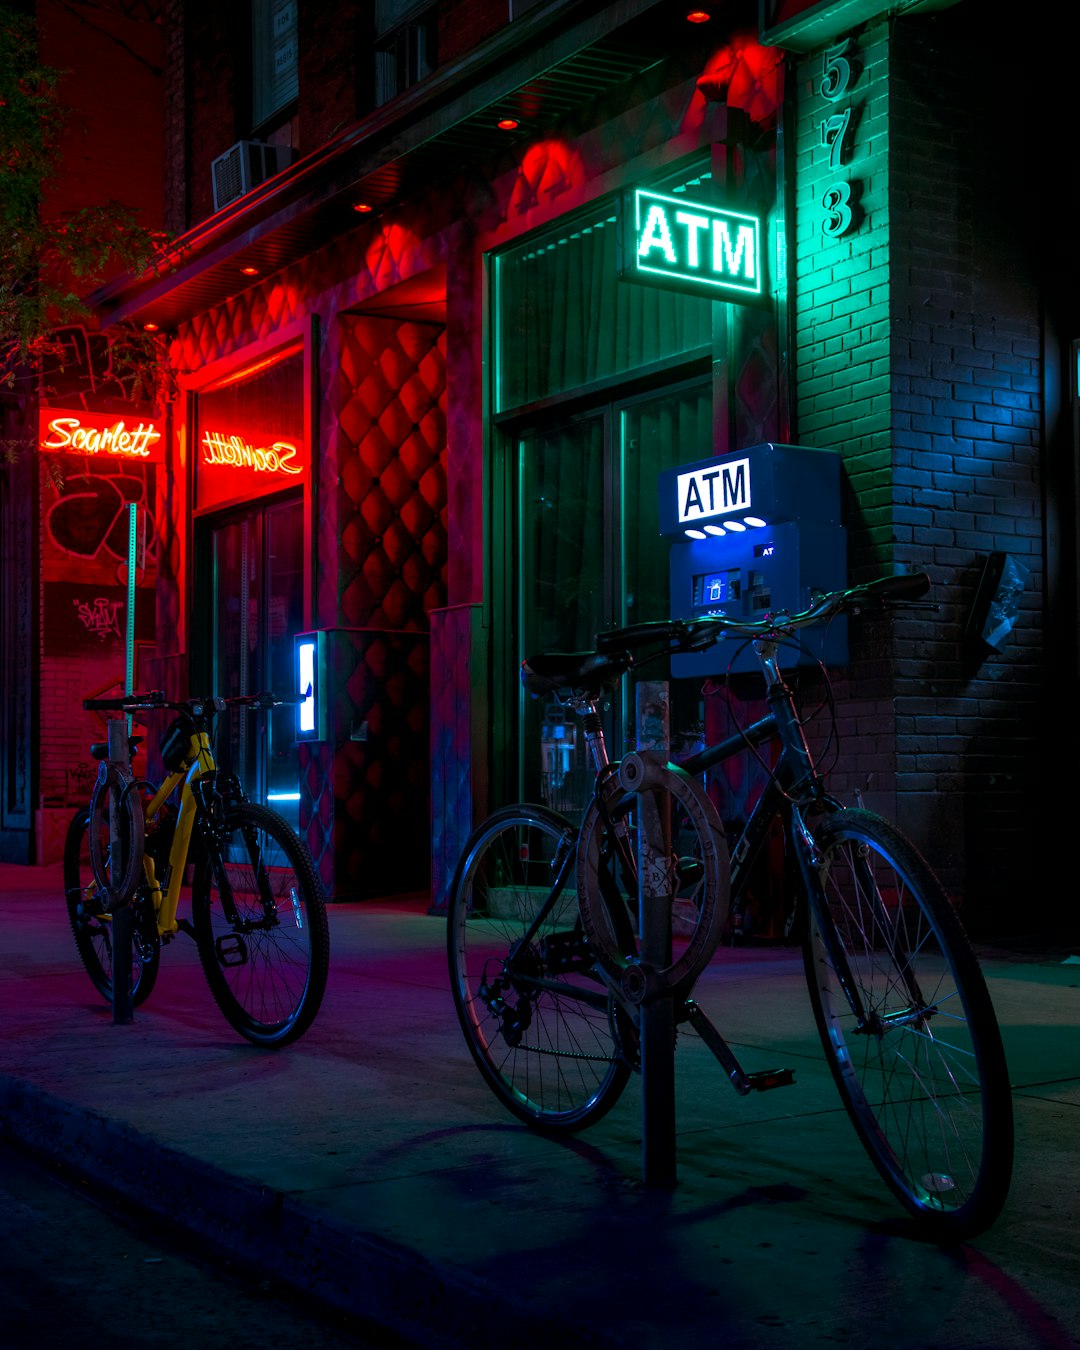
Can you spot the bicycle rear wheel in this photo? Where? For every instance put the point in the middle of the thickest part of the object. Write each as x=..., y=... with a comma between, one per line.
x=550, y=1041
x=918, y=1060
x=92, y=925
x=694, y=877
x=261, y=926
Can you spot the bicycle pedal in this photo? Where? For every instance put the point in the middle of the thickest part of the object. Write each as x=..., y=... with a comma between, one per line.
x=764, y=1079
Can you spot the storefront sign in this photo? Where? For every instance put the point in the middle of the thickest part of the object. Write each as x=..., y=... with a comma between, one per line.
x=65, y=432
x=234, y=467
x=688, y=245
x=714, y=490
x=278, y=458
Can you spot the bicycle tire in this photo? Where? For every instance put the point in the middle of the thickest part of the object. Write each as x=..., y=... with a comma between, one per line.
x=697, y=877
x=924, y=1078
x=91, y=924
x=265, y=953
x=549, y=1038
x=116, y=793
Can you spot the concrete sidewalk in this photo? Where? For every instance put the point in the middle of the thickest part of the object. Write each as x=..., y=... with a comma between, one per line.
x=370, y=1166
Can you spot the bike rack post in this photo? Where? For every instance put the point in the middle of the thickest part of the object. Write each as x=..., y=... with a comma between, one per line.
x=657, y=1020
x=121, y=916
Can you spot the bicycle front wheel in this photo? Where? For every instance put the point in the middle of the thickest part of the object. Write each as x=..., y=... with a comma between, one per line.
x=91, y=923
x=116, y=835
x=548, y=1037
x=261, y=926
x=908, y=1027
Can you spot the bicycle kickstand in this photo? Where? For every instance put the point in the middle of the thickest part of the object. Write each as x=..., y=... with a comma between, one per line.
x=744, y=1083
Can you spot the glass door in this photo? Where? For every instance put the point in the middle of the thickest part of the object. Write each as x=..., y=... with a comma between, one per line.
x=564, y=592
x=257, y=602
x=589, y=555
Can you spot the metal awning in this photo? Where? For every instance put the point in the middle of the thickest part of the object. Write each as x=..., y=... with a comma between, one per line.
x=537, y=70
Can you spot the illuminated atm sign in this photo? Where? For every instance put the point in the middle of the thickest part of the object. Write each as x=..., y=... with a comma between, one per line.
x=714, y=490
x=688, y=245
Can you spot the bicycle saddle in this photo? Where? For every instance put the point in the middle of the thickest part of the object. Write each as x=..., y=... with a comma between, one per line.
x=100, y=749
x=587, y=671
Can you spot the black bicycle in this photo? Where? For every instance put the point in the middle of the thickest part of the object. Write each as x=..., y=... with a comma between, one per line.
x=258, y=915
x=543, y=924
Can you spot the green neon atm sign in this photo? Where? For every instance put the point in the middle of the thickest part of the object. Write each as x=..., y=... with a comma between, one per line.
x=688, y=245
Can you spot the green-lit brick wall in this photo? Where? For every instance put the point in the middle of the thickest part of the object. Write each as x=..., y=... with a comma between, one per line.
x=841, y=285
x=917, y=356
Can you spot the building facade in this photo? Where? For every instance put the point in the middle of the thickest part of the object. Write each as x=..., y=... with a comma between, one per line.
x=64, y=497
x=425, y=403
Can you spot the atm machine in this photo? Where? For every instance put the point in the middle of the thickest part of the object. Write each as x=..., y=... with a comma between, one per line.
x=753, y=532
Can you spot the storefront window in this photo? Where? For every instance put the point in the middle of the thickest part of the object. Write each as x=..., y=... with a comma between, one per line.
x=586, y=543
x=590, y=556
x=251, y=466
x=564, y=320
x=250, y=434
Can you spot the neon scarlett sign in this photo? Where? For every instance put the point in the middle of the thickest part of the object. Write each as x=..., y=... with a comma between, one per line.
x=79, y=433
x=234, y=451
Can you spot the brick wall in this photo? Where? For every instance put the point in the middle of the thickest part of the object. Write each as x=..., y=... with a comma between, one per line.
x=967, y=451
x=918, y=356
x=842, y=287
x=843, y=397
x=216, y=94
x=212, y=87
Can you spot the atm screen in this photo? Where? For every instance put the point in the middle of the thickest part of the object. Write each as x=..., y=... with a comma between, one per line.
x=717, y=588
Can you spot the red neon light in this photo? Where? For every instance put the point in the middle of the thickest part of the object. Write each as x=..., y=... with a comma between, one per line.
x=77, y=433
x=236, y=452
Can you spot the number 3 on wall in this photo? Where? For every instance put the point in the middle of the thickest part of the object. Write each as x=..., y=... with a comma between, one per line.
x=836, y=201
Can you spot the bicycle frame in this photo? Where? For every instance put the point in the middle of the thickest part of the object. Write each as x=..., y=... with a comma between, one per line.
x=794, y=786
x=199, y=761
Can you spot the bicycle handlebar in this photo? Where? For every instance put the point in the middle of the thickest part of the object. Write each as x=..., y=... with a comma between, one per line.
x=198, y=707
x=698, y=634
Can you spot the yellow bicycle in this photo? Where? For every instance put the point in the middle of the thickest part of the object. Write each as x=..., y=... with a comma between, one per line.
x=258, y=916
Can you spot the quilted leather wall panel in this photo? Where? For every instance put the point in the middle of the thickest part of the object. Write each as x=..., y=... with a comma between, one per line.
x=390, y=450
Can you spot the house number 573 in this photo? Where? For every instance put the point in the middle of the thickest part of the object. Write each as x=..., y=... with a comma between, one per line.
x=837, y=78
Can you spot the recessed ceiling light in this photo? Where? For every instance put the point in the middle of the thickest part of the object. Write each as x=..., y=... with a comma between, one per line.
x=507, y=124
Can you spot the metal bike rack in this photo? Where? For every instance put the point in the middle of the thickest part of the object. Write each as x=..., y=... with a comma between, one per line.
x=122, y=915
x=657, y=1007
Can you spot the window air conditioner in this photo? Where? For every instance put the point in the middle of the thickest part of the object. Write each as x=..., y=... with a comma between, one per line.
x=244, y=166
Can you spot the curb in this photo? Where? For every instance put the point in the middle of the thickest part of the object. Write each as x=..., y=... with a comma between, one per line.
x=346, y=1270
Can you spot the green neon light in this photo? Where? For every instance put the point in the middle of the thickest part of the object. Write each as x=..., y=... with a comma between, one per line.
x=679, y=242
